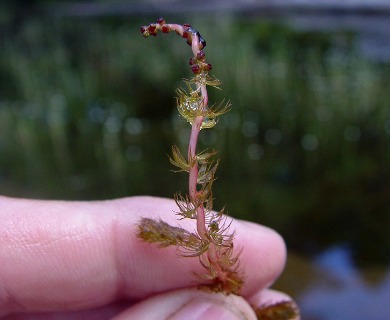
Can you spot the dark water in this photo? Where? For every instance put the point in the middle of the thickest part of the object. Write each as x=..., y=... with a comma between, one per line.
x=86, y=103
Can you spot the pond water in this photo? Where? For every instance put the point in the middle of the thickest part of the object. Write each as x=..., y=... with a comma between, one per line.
x=86, y=102
x=330, y=286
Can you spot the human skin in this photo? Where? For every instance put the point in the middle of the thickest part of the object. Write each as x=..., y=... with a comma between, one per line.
x=83, y=260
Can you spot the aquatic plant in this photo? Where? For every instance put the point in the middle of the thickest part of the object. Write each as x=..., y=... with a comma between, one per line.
x=212, y=242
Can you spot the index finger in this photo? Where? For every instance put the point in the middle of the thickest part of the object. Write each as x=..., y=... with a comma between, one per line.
x=57, y=255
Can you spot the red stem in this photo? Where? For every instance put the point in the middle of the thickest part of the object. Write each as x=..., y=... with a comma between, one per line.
x=194, y=171
x=198, y=65
x=196, y=126
x=193, y=176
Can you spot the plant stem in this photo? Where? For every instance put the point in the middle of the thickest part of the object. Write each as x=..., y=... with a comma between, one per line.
x=213, y=244
x=193, y=174
x=193, y=177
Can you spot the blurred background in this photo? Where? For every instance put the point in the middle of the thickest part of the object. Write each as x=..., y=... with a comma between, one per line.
x=87, y=112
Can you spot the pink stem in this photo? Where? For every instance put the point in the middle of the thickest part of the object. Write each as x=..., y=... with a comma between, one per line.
x=196, y=126
x=193, y=176
x=205, y=96
x=196, y=45
x=192, y=155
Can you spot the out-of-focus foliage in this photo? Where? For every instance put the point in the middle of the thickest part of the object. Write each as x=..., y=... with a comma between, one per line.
x=87, y=111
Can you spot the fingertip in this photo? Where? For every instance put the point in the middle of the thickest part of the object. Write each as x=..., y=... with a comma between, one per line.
x=190, y=304
x=271, y=301
x=263, y=255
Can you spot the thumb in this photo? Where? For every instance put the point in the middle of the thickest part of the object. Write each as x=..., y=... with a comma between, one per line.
x=190, y=304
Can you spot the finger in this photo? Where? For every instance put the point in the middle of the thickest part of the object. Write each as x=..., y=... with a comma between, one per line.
x=190, y=304
x=184, y=303
x=71, y=255
x=100, y=313
x=271, y=304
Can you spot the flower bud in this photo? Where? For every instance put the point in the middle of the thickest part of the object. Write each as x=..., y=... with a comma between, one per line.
x=195, y=69
x=160, y=21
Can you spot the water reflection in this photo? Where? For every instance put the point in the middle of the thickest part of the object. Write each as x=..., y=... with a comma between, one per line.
x=341, y=292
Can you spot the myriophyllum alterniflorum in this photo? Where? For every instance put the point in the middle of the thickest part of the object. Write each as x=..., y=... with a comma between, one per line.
x=212, y=241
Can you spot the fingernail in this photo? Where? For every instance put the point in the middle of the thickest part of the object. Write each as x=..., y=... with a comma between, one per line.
x=206, y=309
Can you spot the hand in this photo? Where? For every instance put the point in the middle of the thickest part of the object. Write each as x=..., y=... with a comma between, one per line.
x=82, y=260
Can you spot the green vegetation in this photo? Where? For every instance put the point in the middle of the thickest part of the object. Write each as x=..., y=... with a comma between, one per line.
x=305, y=148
